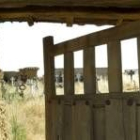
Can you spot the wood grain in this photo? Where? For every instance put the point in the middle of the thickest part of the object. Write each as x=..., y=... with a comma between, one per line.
x=114, y=67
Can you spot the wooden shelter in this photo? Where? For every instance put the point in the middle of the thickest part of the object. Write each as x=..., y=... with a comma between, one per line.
x=81, y=12
x=91, y=116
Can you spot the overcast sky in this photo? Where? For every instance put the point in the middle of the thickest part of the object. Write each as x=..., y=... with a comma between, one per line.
x=21, y=46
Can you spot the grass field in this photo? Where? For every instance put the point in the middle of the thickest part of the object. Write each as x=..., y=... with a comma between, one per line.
x=23, y=118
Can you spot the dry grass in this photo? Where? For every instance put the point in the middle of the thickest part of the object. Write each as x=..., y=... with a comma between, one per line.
x=25, y=116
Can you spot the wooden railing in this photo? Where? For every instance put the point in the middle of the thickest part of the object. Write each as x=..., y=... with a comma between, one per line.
x=112, y=37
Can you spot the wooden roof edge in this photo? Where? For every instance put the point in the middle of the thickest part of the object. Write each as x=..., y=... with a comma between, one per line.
x=71, y=3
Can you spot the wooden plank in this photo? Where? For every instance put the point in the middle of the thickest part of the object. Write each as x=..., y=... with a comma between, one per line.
x=99, y=123
x=68, y=73
x=89, y=71
x=114, y=120
x=114, y=67
x=124, y=31
x=82, y=122
x=138, y=120
x=138, y=52
x=129, y=111
x=57, y=127
x=67, y=121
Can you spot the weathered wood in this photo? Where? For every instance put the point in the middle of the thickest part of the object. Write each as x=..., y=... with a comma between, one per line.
x=98, y=38
x=68, y=73
x=67, y=121
x=138, y=53
x=89, y=71
x=81, y=122
x=102, y=3
x=129, y=111
x=49, y=82
x=138, y=120
x=77, y=16
x=57, y=120
x=114, y=67
x=99, y=123
x=114, y=120
x=103, y=11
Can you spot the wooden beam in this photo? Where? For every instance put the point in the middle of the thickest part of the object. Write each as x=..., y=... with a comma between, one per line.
x=48, y=67
x=114, y=67
x=102, y=3
x=102, y=37
x=70, y=14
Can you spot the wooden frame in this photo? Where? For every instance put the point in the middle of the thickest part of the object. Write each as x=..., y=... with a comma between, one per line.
x=92, y=116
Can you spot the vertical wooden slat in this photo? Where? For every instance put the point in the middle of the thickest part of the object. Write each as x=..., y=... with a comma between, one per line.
x=138, y=52
x=82, y=122
x=114, y=67
x=129, y=111
x=99, y=123
x=67, y=121
x=57, y=121
x=114, y=120
x=89, y=71
x=138, y=121
x=68, y=73
x=49, y=87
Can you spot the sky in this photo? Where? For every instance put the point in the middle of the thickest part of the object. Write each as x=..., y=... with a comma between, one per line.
x=22, y=46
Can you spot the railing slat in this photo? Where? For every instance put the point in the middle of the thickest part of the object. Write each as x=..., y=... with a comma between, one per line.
x=89, y=71
x=114, y=67
x=138, y=51
x=68, y=73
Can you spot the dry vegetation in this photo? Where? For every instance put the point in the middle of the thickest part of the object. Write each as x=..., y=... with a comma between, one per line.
x=23, y=118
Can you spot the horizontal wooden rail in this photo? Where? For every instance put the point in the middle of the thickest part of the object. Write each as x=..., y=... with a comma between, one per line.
x=89, y=3
x=122, y=32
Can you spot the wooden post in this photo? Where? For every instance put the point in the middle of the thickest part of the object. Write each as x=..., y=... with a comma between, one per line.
x=138, y=51
x=49, y=67
x=49, y=82
x=114, y=67
x=89, y=71
x=68, y=73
